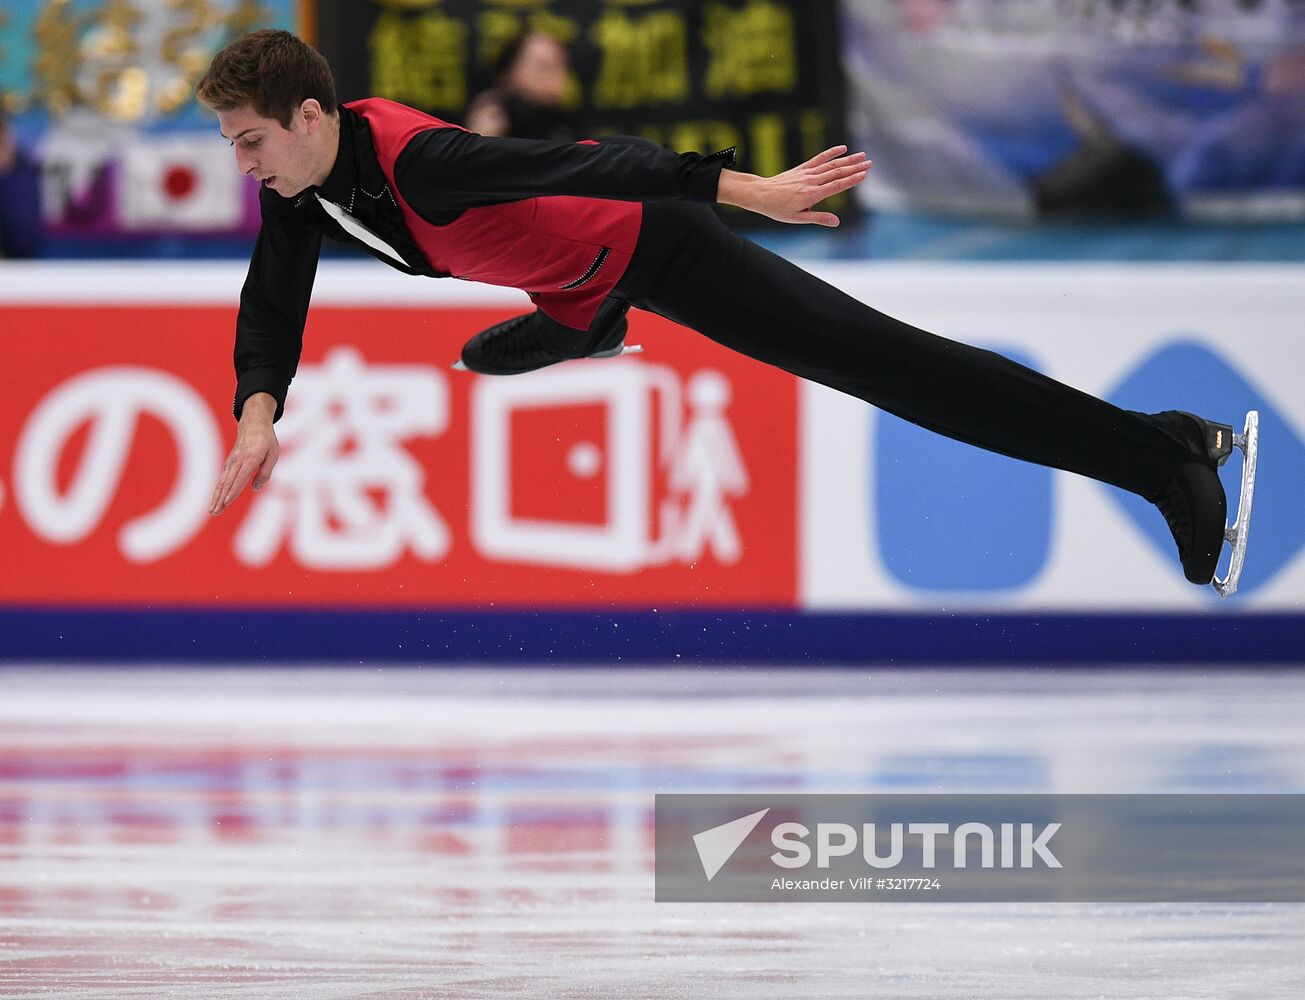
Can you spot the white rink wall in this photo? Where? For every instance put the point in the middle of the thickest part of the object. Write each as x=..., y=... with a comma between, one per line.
x=986, y=532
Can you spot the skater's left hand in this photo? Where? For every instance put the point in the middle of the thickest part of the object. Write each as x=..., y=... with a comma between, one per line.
x=788, y=197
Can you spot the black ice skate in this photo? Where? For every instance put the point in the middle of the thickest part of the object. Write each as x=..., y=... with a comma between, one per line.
x=1194, y=504
x=533, y=341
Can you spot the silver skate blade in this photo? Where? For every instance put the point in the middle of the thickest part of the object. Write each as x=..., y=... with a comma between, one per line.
x=615, y=352
x=1249, y=442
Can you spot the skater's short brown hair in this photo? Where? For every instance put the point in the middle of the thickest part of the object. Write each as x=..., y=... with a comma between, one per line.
x=271, y=71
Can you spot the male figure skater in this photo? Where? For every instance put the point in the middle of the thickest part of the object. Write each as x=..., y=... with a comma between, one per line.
x=590, y=229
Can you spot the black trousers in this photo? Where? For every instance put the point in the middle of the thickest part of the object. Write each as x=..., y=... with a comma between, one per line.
x=690, y=268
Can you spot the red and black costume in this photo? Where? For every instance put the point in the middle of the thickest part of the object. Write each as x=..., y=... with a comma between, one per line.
x=574, y=224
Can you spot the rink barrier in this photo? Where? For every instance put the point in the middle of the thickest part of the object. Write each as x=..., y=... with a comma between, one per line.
x=850, y=544
x=529, y=637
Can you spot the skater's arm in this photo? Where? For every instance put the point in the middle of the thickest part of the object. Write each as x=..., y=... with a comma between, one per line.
x=269, y=337
x=788, y=197
x=274, y=301
x=446, y=171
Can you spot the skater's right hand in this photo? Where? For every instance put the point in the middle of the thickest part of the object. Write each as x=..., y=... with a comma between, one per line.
x=254, y=455
x=788, y=197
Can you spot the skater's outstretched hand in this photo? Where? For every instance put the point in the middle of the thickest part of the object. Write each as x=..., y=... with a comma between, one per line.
x=254, y=455
x=788, y=197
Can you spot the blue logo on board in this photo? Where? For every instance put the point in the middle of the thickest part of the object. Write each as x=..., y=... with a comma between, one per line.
x=953, y=517
x=950, y=517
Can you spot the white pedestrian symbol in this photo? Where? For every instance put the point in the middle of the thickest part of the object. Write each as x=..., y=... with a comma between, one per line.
x=706, y=471
x=346, y=494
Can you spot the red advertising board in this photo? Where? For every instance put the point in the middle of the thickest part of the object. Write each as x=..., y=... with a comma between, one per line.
x=661, y=479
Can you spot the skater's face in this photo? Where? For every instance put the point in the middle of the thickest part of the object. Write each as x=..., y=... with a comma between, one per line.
x=287, y=160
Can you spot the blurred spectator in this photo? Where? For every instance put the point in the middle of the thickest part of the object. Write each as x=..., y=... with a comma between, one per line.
x=526, y=97
x=20, y=195
x=1103, y=176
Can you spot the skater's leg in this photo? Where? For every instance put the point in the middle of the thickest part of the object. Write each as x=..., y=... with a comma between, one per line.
x=693, y=270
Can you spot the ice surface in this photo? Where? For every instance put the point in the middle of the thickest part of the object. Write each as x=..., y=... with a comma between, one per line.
x=452, y=833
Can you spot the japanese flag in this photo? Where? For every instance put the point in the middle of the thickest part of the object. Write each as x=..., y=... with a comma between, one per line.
x=180, y=183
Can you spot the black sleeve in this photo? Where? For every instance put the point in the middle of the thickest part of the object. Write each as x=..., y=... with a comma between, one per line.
x=444, y=171
x=274, y=301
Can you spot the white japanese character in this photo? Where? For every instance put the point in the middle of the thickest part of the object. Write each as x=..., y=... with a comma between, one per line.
x=347, y=495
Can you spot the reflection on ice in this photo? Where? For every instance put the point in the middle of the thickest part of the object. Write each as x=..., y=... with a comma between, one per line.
x=298, y=834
